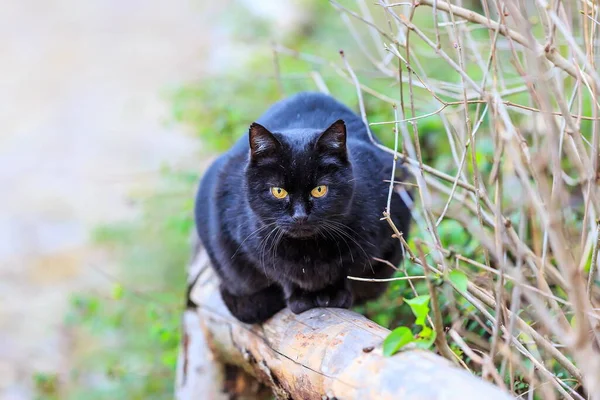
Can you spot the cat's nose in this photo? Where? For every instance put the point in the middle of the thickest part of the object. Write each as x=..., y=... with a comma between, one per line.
x=300, y=219
x=299, y=216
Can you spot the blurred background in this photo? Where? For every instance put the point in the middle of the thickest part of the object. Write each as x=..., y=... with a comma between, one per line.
x=110, y=110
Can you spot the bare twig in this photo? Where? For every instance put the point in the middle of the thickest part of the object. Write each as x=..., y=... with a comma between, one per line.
x=440, y=338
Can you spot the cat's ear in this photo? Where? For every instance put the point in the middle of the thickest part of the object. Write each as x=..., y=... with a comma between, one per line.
x=262, y=142
x=333, y=140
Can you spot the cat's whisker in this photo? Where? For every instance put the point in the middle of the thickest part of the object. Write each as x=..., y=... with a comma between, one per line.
x=342, y=232
x=278, y=237
x=333, y=230
x=338, y=247
x=344, y=226
x=251, y=234
x=320, y=232
x=261, y=248
x=265, y=243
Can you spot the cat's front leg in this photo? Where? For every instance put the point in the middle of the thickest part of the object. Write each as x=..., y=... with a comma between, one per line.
x=336, y=296
x=256, y=307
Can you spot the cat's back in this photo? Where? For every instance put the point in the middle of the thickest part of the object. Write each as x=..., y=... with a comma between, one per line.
x=218, y=194
x=311, y=110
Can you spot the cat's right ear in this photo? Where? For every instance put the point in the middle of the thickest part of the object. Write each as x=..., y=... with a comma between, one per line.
x=262, y=142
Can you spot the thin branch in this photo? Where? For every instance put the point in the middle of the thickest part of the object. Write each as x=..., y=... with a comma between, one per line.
x=440, y=337
x=551, y=54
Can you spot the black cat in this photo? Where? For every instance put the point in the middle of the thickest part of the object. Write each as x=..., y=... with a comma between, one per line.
x=295, y=206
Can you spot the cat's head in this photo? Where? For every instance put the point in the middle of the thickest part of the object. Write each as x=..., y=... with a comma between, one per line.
x=299, y=180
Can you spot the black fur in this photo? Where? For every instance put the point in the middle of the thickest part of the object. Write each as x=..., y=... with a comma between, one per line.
x=270, y=252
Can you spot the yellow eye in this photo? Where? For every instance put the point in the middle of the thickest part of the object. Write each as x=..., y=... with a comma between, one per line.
x=319, y=191
x=279, y=192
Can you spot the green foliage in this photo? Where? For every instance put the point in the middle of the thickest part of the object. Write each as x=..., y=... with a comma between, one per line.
x=225, y=106
x=388, y=310
x=131, y=334
x=403, y=335
x=425, y=338
x=397, y=339
x=459, y=280
x=420, y=307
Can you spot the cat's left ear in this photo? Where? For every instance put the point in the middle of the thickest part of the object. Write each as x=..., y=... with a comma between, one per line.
x=333, y=140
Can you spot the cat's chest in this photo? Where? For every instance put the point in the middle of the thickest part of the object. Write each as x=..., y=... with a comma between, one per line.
x=310, y=268
x=324, y=254
x=313, y=264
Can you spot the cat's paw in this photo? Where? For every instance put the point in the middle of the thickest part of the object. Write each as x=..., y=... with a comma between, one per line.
x=257, y=307
x=300, y=302
x=335, y=298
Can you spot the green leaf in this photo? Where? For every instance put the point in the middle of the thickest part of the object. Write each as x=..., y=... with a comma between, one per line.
x=452, y=233
x=397, y=339
x=460, y=280
x=418, y=301
x=456, y=349
x=420, y=308
x=426, y=333
x=425, y=338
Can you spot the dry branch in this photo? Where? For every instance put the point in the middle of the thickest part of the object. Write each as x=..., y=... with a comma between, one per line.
x=550, y=53
x=320, y=354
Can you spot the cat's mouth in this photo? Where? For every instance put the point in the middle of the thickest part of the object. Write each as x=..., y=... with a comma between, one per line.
x=300, y=231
